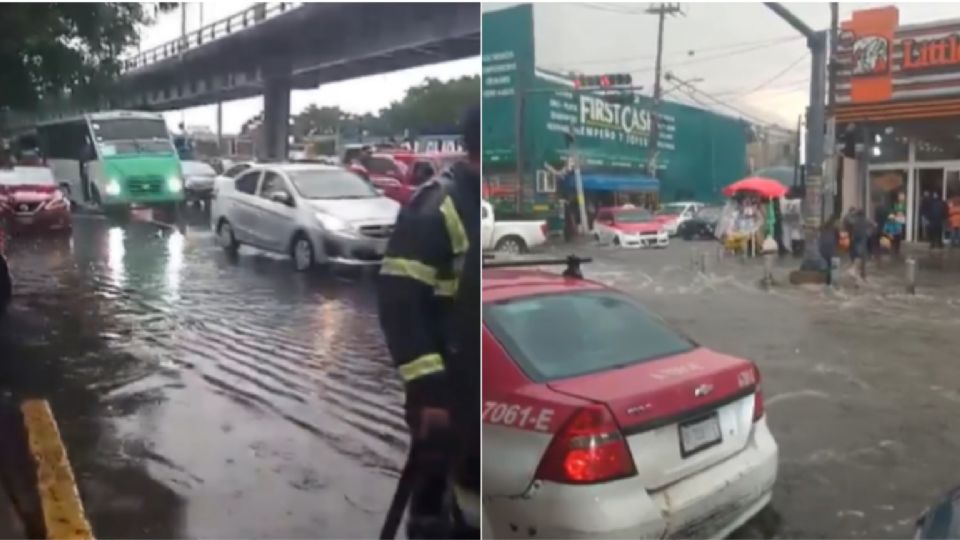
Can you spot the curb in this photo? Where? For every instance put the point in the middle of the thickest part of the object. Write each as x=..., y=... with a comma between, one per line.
x=37, y=478
x=63, y=513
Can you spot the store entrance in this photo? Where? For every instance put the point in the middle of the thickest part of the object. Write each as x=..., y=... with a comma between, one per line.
x=930, y=187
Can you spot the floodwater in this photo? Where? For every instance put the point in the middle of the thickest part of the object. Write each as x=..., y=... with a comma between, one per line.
x=862, y=385
x=206, y=396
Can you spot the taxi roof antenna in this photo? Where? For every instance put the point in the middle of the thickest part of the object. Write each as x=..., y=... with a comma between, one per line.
x=573, y=268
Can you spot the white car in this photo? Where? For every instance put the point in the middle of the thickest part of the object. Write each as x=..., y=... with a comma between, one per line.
x=675, y=213
x=318, y=214
x=198, y=179
x=509, y=236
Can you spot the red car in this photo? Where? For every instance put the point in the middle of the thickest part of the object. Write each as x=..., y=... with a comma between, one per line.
x=626, y=226
x=601, y=421
x=411, y=170
x=33, y=201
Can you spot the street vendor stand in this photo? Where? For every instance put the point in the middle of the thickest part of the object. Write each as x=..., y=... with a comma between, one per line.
x=748, y=217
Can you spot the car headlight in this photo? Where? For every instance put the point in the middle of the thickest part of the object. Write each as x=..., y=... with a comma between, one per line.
x=113, y=188
x=333, y=223
x=174, y=184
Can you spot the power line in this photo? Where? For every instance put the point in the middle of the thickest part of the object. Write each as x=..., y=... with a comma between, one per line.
x=780, y=73
x=610, y=9
x=713, y=49
x=722, y=103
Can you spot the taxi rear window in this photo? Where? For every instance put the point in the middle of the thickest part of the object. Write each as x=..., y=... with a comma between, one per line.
x=567, y=335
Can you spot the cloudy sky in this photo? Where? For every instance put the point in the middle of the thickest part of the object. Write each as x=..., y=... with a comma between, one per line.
x=746, y=56
x=368, y=94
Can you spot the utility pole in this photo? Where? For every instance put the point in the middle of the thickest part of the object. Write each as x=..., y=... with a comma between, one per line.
x=831, y=175
x=661, y=10
x=817, y=43
x=797, y=176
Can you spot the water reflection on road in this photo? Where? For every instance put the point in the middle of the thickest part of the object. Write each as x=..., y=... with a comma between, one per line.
x=205, y=396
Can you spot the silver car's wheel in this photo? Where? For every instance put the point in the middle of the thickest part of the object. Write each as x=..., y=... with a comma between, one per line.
x=226, y=238
x=302, y=254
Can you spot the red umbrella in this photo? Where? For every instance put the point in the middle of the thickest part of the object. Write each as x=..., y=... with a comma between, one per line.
x=766, y=187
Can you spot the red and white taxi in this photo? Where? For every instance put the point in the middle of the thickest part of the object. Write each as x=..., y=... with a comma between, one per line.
x=629, y=226
x=600, y=421
x=33, y=200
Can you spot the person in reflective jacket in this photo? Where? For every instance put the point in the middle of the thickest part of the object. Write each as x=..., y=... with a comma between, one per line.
x=419, y=300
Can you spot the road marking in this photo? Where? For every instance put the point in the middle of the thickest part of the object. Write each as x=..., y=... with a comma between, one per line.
x=63, y=513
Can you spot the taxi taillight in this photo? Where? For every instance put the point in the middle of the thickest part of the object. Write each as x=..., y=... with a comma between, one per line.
x=588, y=449
x=758, y=409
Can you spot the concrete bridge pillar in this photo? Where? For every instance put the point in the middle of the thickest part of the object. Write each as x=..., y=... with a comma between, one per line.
x=276, y=116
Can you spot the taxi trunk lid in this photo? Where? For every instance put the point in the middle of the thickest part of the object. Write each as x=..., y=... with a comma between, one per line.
x=680, y=414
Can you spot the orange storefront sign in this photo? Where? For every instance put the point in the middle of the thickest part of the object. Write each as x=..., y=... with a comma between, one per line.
x=933, y=53
x=870, y=35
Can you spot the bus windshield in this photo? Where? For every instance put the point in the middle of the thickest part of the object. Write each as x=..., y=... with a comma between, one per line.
x=131, y=136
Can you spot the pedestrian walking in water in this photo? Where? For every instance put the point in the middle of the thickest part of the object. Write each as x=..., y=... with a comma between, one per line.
x=827, y=244
x=860, y=229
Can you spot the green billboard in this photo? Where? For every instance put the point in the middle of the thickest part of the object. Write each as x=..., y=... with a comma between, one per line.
x=507, y=52
x=698, y=151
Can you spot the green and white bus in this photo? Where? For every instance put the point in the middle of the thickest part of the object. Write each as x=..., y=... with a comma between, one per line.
x=114, y=159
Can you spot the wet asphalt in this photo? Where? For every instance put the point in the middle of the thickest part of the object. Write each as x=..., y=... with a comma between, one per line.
x=201, y=395
x=207, y=396
x=862, y=384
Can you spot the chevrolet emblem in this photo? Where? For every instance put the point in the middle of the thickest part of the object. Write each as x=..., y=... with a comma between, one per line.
x=702, y=390
x=24, y=208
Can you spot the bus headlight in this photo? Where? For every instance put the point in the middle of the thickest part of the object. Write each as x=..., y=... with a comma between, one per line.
x=174, y=184
x=113, y=188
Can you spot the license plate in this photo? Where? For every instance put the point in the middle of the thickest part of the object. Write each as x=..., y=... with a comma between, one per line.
x=25, y=220
x=698, y=434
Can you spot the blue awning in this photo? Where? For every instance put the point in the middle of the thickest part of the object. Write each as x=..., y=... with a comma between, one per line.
x=615, y=182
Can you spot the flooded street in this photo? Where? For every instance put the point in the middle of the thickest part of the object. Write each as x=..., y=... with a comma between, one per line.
x=200, y=396
x=862, y=386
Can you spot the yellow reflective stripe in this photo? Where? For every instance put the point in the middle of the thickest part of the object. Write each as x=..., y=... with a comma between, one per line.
x=63, y=513
x=409, y=268
x=458, y=235
x=423, y=365
x=446, y=287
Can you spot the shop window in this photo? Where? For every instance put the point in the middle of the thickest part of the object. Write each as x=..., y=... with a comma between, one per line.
x=888, y=148
x=546, y=182
x=939, y=149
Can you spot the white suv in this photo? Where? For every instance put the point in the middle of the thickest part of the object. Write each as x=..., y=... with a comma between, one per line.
x=317, y=214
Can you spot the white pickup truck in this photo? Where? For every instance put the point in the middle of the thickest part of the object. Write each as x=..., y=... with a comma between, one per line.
x=509, y=236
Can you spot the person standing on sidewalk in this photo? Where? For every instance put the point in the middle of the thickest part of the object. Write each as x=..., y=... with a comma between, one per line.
x=925, y=203
x=955, y=221
x=936, y=216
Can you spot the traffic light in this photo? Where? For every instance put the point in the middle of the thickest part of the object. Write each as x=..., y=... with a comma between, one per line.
x=602, y=81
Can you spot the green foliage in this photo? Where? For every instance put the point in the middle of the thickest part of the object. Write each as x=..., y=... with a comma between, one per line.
x=431, y=105
x=51, y=48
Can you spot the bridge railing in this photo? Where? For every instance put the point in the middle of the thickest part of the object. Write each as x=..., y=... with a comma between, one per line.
x=234, y=23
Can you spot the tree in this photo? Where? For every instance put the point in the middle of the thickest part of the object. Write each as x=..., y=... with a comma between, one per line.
x=433, y=105
x=318, y=121
x=47, y=49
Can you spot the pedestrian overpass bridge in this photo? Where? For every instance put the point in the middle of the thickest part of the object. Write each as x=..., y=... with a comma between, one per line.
x=273, y=48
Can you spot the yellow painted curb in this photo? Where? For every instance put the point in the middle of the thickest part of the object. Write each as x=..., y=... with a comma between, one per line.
x=63, y=514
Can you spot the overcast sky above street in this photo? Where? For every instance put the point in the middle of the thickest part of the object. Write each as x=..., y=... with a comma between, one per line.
x=746, y=55
x=368, y=94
